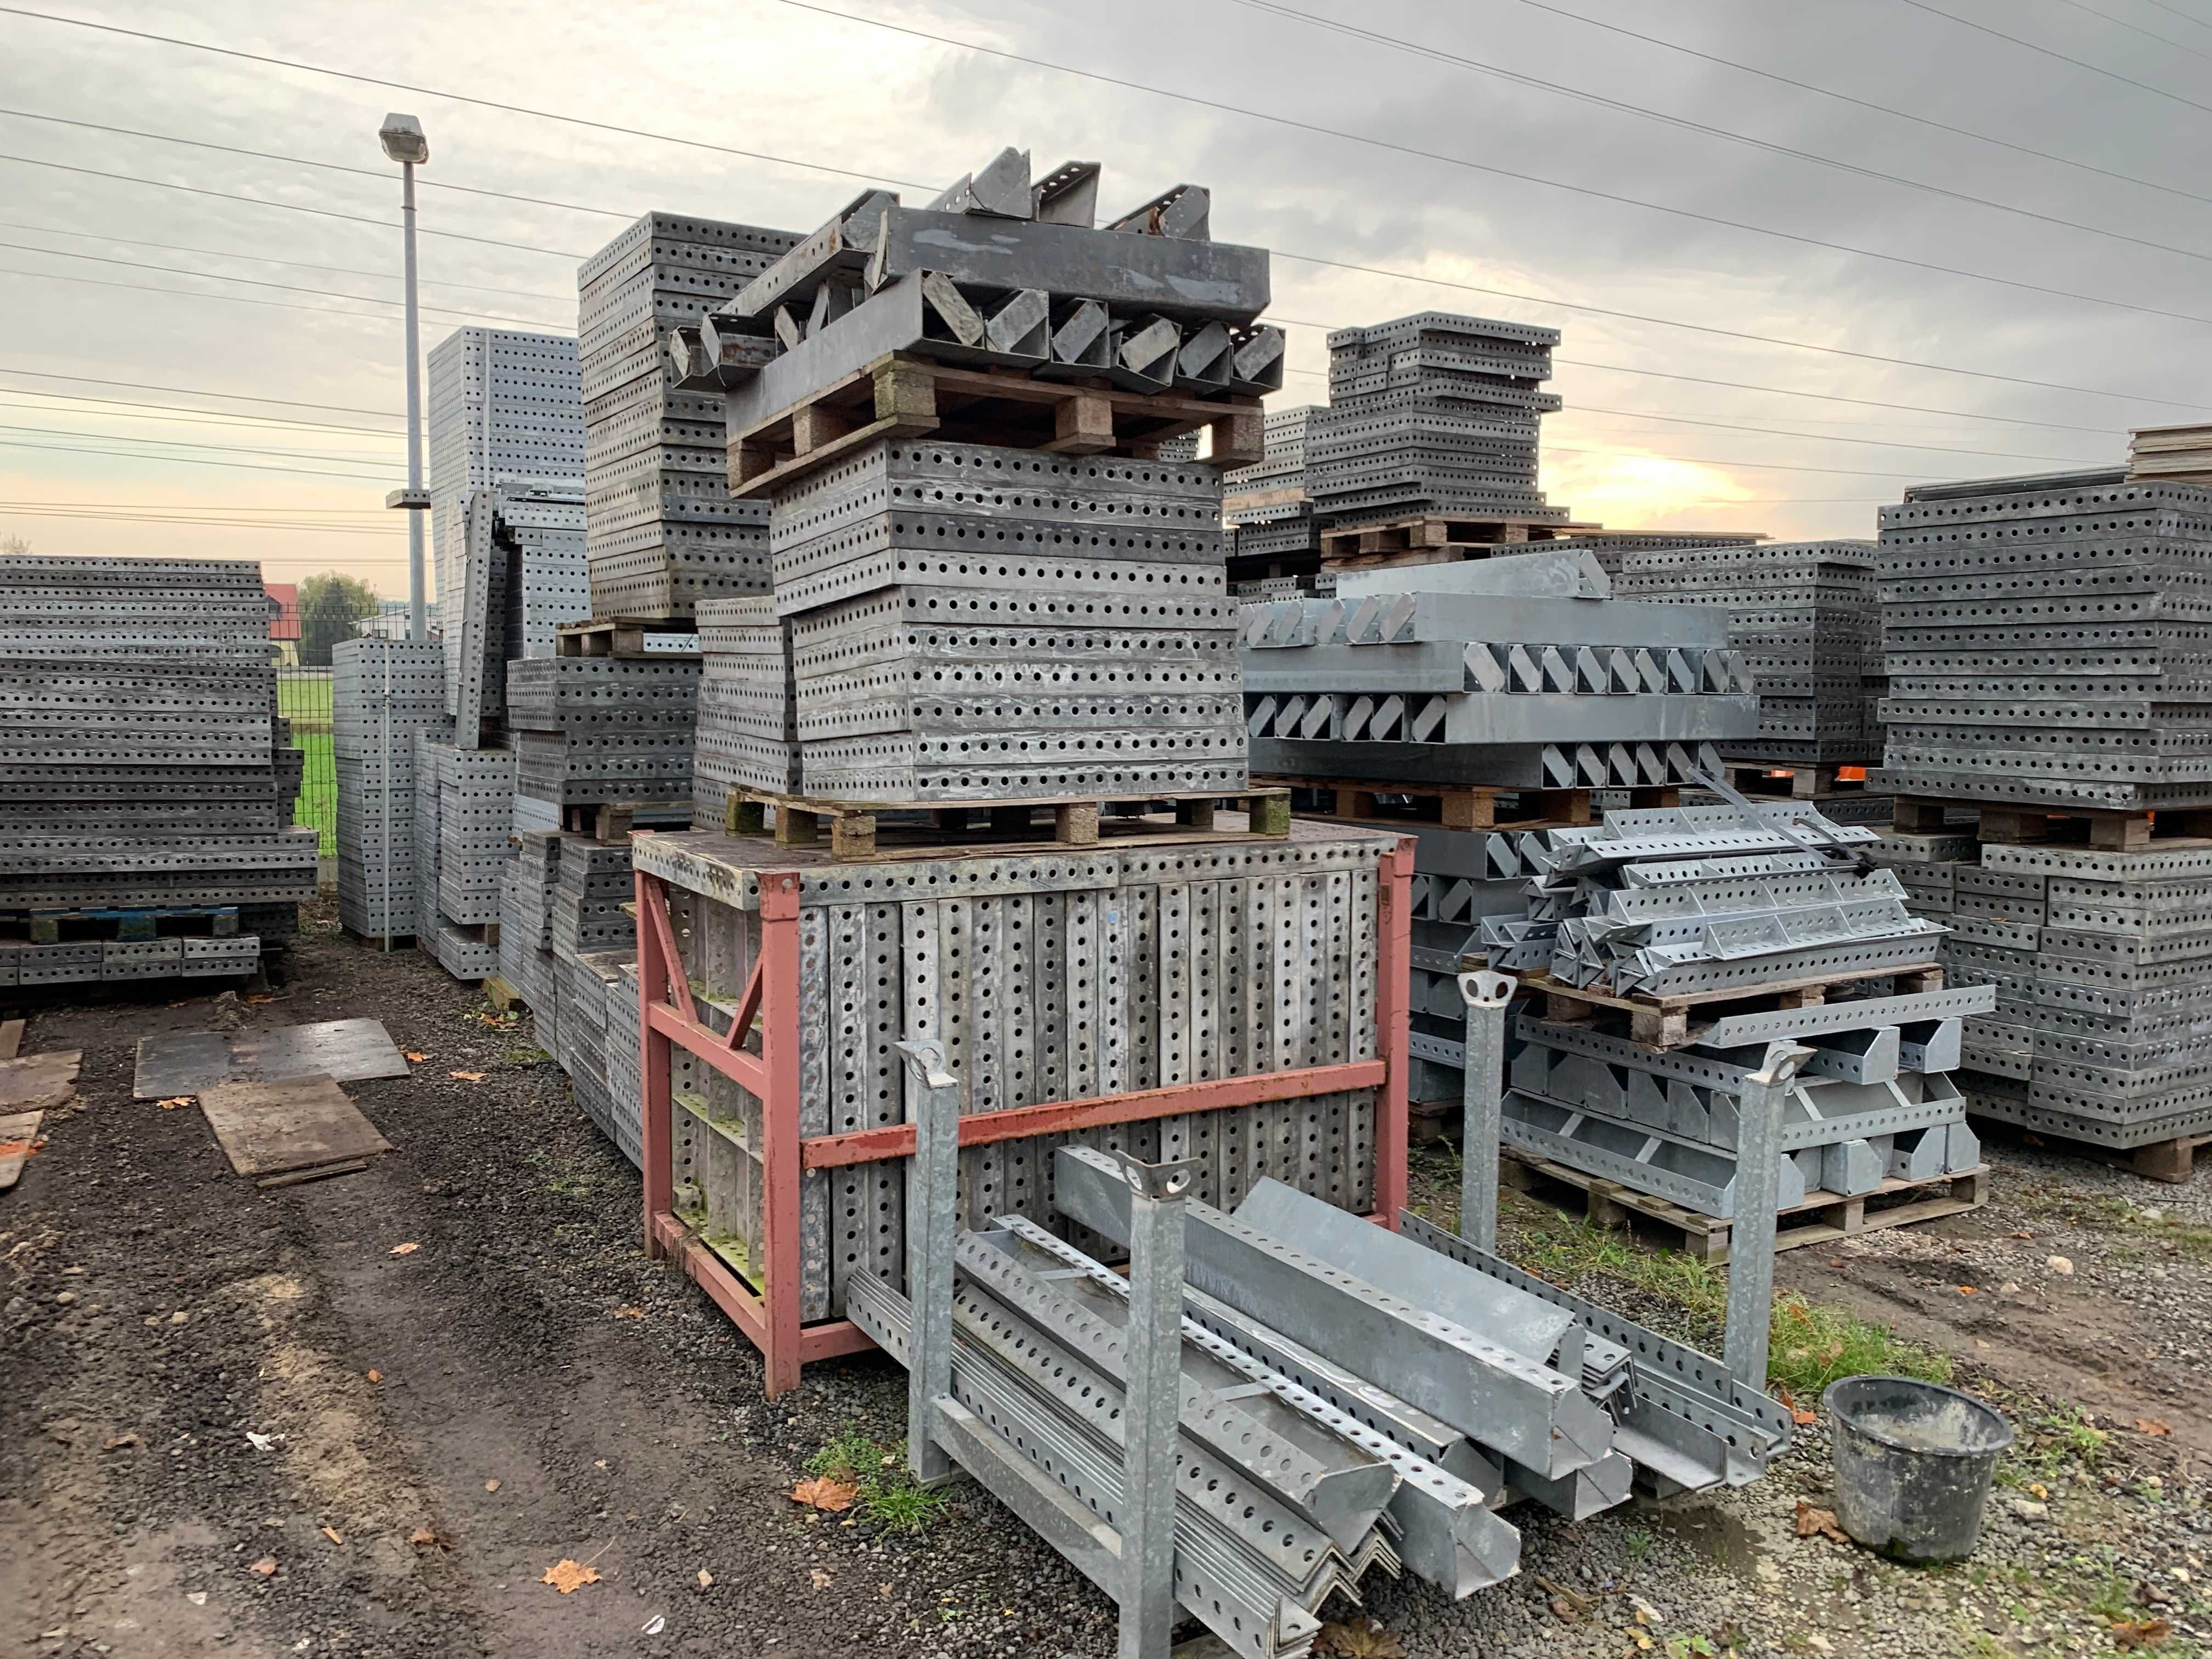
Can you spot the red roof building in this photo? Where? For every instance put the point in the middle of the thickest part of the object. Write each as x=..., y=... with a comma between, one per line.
x=283, y=609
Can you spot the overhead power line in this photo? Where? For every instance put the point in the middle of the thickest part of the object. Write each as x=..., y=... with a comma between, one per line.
x=2046, y=51
x=187, y=461
x=1436, y=54
x=198, y=391
x=261, y=259
x=114, y=409
x=281, y=305
x=2135, y=28
x=378, y=462
x=1470, y=165
x=1536, y=300
x=384, y=513
x=198, y=522
x=1891, y=109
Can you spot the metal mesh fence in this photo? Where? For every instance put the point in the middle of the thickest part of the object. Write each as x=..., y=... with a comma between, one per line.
x=301, y=634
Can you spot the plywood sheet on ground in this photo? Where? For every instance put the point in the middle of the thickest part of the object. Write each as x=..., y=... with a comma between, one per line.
x=267, y=1128
x=32, y=1083
x=191, y=1063
x=19, y=1134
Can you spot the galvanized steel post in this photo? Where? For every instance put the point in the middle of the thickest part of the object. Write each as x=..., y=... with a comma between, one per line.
x=1482, y=1097
x=932, y=1202
x=1751, y=1234
x=1152, y=1422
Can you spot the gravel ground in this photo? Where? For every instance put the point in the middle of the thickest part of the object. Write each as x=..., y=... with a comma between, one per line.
x=523, y=1387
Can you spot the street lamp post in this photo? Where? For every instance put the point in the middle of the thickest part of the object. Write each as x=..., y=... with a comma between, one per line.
x=403, y=142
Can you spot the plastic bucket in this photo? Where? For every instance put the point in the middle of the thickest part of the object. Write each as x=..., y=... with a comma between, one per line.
x=1914, y=1463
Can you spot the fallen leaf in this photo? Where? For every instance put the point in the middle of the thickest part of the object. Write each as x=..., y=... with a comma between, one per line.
x=569, y=1576
x=1968, y=1289
x=627, y=1313
x=405, y=1249
x=2038, y=1491
x=422, y=1535
x=705, y=1579
x=467, y=1077
x=260, y=1001
x=821, y=1578
x=333, y=1534
x=1358, y=1642
x=417, y=1059
x=375, y=1376
x=1812, y=1520
x=2022, y=1232
x=823, y=1494
x=2152, y=1425
x=121, y=1441
x=175, y=1101
x=1802, y=1418
x=491, y=1486
x=2128, y=1634
x=265, y=1567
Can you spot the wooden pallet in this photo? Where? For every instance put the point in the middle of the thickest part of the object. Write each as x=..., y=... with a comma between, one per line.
x=1763, y=779
x=1822, y=1218
x=902, y=396
x=376, y=941
x=2172, y=1161
x=1666, y=1022
x=1421, y=538
x=858, y=830
x=165, y=921
x=625, y=637
x=2082, y=826
x=1462, y=806
x=609, y=821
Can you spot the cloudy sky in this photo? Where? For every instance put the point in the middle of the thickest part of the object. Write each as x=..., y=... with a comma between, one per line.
x=1736, y=212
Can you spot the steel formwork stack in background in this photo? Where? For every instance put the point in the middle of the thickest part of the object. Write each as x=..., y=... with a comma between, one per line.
x=1265, y=510
x=1431, y=415
x=144, y=803
x=1804, y=618
x=594, y=729
x=384, y=695
x=664, y=531
x=2044, y=640
x=747, y=733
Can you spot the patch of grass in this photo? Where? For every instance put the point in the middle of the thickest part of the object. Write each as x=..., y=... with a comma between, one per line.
x=523, y=1056
x=2046, y=1447
x=887, y=1494
x=1808, y=1345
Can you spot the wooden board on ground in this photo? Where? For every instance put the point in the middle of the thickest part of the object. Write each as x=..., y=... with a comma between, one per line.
x=868, y=830
x=1664, y=1021
x=1822, y=1218
x=300, y=1123
x=187, y=1062
x=19, y=1139
x=39, y=1083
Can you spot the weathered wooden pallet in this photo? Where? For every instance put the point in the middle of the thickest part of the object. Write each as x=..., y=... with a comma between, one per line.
x=2016, y=826
x=1462, y=806
x=609, y=821
x=627, y=638
x=164, y=921
x=1672, y=1022
x=1763, y=779
x=1424, y=539
x=867, y=829
x=1822, y=1218
x=898, y=396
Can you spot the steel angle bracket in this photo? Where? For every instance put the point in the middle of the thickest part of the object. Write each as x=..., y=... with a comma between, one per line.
x=1713, y=1416
x=1451, y=1537
x=1523, y=1409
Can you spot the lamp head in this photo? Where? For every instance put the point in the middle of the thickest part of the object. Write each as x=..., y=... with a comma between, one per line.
x=403, y=139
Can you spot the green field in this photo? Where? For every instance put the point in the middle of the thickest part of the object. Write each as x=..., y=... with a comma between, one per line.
x=303, y=698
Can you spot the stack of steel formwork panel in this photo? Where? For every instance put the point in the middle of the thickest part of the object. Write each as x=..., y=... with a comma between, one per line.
x=384, y=694
x=748, y=733
x=1266, y=508
x=1523, y=675
x=1689, y=901
x=525, y=932
x=1049, y=975
x=464, y=814
x=1803, y=617
x=2100, y=962
x=1435, y=414
x=2045, y=641
x=664, y=531
x=596, y=729
x=506, y=407
x=138, y=768
x=1074, y=636
x=1006, y=609
x=1613, y=547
